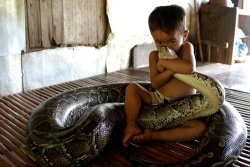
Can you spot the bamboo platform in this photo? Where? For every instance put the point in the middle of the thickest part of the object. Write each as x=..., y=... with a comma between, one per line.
x=16, y=109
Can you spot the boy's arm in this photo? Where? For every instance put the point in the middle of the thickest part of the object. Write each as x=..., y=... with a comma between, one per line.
x=185, y=65
x=158, y=79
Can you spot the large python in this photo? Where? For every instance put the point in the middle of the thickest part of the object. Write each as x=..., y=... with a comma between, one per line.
x=73, y=127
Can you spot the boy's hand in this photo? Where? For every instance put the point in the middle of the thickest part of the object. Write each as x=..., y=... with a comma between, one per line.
x=159, y=66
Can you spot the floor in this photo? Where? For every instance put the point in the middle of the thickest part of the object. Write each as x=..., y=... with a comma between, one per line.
x=236, y=76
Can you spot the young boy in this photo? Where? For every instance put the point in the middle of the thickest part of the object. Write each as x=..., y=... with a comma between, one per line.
x=167, y=27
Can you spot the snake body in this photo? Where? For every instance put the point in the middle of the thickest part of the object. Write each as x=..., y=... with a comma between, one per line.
x=73, y=127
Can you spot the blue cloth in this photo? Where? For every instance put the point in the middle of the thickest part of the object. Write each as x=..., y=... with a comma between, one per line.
x=241, y=48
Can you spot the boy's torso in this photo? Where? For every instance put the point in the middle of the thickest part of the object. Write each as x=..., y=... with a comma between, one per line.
x=176, y=89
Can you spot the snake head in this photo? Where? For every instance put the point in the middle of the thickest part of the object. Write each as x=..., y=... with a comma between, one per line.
x=166, y=53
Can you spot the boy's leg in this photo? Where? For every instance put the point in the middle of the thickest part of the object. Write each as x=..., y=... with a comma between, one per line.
x=135, y=96
x=188, y=132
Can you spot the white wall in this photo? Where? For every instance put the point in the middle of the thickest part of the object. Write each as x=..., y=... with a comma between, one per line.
x=12, y=41
x=128, y=22
x=53, y=66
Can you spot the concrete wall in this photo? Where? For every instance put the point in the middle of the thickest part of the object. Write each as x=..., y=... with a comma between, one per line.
x=28, y=71
x=53, y=66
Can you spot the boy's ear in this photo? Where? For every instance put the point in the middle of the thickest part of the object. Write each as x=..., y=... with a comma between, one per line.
x=185, y=35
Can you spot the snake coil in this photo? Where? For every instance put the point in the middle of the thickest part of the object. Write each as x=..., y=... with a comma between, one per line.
x=73, y=127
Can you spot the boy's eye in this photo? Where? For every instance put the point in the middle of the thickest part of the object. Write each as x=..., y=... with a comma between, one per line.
x=173, y=42
x=158, y=43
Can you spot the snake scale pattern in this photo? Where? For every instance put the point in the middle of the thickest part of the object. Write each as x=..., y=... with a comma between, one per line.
x=73, y=127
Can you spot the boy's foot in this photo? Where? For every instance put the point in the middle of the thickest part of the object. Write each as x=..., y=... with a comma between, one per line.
x=129, y=133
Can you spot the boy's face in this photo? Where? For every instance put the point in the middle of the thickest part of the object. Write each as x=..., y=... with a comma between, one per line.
x=173, y=40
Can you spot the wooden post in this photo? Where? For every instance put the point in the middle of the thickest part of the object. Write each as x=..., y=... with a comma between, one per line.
x=198, y=37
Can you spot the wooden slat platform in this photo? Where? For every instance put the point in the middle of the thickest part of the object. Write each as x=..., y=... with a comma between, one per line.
x=16, y=109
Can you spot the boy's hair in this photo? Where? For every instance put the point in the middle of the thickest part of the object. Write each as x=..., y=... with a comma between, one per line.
x=167, y=19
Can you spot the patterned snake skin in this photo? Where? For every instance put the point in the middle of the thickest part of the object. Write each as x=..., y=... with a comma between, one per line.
x=73, y=127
